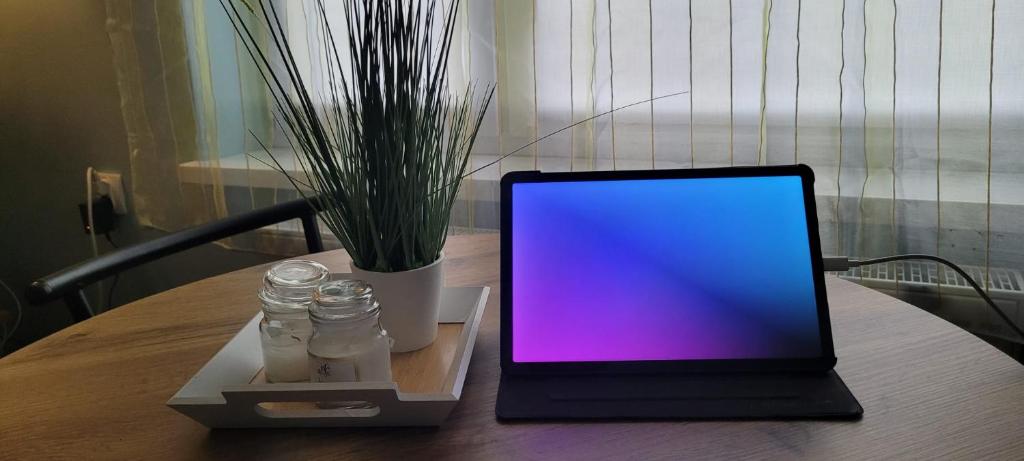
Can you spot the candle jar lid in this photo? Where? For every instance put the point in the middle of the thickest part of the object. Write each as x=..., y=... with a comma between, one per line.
x=344, y=301
x=289, y=285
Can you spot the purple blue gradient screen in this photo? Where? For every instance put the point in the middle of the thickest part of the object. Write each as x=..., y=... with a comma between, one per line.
x=664, y=269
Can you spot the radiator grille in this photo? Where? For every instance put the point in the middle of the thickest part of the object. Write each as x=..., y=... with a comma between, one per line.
x=927, y=273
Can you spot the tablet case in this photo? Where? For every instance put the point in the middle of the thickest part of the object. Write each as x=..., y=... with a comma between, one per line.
x=689, y=397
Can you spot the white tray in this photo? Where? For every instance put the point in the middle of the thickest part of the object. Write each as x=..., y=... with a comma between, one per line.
x=230, y=390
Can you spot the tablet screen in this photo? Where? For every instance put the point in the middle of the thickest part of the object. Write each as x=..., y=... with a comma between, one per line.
x=662, y=269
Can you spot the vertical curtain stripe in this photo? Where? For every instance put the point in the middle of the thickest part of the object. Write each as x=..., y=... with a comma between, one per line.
x=965, y=92
x=497, y=110
x=689, y=22
x=762, y=126
x=198, y=35
x=864, y=125
x=583, y=60
x=536, y=114
x=611, y=80
x=732, y=118
x=572, y=94
x=172, y=117
x=209, y=111
x=650, y=47
x=988, y=173
x=470, y=186
x=938, y=150
x=876, y=206
x=120, y=25
x=242, y=57
x=839, y=152
x=591, y=80
x=460, y=74
x=896, y=264
x=796, y=98
x=864, y=104
x=517, y=113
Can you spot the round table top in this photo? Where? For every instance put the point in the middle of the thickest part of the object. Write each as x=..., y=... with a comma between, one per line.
x=98, y=388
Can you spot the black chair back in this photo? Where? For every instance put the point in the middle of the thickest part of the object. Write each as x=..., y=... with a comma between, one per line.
x=69, y=282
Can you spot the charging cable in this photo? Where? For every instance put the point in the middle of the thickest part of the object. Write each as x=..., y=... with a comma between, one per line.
x=7, y=334
x=843, y=264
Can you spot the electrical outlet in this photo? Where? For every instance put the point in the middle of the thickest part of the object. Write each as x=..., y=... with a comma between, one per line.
x=109, y=183
x=103, y=217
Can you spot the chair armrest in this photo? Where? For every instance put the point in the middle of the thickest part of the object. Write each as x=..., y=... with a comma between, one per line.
x=65, y=281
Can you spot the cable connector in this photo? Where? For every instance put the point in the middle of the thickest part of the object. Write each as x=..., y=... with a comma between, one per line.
x=837, y=263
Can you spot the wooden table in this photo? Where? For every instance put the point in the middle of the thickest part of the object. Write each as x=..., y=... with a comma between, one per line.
x=97, y=390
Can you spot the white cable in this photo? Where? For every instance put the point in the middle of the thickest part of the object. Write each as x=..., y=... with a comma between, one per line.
x=17, y=320
x=92, y=233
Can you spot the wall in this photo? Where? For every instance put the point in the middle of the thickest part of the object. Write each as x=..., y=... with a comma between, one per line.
x=59, y=113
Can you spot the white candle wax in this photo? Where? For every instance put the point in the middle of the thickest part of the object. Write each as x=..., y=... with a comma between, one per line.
x=285, y=359
x=286, y=364
x=364, y=363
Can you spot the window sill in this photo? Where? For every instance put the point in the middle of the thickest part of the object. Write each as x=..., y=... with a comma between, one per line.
x=911, y=185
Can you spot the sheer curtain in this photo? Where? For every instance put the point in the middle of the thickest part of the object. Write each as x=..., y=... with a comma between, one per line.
x=909, y=111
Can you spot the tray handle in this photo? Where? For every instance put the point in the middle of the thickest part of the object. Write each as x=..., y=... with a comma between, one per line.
x=382, y=404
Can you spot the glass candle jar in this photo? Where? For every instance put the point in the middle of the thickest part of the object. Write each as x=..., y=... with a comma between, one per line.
x=285, y=329
x=348, y=343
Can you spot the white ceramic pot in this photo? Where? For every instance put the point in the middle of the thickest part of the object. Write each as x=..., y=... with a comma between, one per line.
x=409, y=302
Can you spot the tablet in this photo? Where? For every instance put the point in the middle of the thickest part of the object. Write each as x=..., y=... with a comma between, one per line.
x=662, y=271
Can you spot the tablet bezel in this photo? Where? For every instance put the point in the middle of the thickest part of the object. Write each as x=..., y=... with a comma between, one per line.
x=824, y=362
